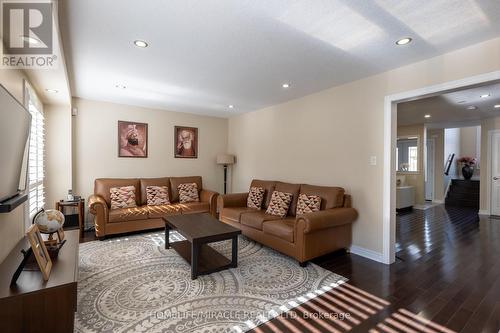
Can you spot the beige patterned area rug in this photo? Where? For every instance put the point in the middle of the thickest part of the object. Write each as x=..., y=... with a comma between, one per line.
x=132, y=284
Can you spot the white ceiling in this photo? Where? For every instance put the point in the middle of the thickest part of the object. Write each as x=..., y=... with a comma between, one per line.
x=205, y=55
x=54, y=78
x=450, y=109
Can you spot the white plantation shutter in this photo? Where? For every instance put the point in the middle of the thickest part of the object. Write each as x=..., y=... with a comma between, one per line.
x=36, y=162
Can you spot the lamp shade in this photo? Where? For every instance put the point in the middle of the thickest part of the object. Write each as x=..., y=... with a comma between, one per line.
x=225, y=159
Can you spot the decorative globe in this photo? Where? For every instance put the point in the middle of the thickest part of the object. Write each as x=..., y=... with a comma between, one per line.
x=49, y=221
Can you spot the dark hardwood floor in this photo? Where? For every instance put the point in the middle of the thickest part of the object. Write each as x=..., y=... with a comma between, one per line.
x=446, y=278
x=447, y=273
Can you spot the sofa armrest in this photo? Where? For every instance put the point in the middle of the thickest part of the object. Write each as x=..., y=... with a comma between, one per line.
x=99, y=208
x=211, y=198
x=327, y=219
x=232, y=200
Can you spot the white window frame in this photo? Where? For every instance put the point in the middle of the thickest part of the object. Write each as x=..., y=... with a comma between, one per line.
x=36, y=156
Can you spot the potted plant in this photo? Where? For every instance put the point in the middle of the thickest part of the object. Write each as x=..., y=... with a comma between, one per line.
x=468, y=164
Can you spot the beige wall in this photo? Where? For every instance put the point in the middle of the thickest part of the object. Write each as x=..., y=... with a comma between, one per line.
x=470, y=144
x=95, y=146
x=12, y=224
x=328, y=137
x=416, y=179
x=438, y=136
x=58, y=166
x=486, y=126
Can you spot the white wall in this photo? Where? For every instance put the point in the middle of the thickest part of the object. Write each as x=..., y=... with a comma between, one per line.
x=452, y=146
x=439, y=159
x=58, y=166
x=470, y=143
x=95, y=145
x=328, y=137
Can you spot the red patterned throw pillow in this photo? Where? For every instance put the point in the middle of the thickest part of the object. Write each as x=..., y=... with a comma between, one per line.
x=308, y=204
x=188, y=193
x=279, y=204
x=255, y=197
x=157, y=195
x=122, y=197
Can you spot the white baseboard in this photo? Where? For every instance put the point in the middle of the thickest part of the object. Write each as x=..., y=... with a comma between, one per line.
x=360, y=251
x=483, y=212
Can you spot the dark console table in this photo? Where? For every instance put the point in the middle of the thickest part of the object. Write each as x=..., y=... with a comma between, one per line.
x=35, y=305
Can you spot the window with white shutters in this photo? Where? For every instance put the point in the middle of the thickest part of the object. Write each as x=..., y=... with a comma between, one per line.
x=36, y=162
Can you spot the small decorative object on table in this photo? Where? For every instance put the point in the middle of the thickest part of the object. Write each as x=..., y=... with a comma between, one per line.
x=40, y=251
x=49, y=222
x=468, y=166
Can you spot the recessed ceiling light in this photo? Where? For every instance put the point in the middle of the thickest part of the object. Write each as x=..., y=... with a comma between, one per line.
x=461, y=102
x=497, y=106
x=286, y=85
x=485, y=96
x=120, y=86
x=231, y=106
x=140, y=43
x=53, y=91
x=404, y=41
x=472, y=107
x=30, y=40
x=427, y=116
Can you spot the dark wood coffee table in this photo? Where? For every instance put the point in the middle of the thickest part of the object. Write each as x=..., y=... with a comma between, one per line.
x=199, y=230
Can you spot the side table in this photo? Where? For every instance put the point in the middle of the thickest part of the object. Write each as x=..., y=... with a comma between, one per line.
x=80, y=212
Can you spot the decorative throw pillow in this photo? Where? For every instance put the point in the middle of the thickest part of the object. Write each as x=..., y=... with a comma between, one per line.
x=279, y=204
x=255, y=197
x=308, y=204
x=188, y=193
x=157, y=195
x=122, y=197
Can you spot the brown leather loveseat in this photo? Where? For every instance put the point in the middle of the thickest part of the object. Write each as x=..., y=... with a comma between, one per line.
x=143, y=217
x=302, y=237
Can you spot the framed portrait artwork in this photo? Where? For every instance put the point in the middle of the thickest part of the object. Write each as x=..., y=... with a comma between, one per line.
x=132, y=139
x=39, y=250
x=185, y=142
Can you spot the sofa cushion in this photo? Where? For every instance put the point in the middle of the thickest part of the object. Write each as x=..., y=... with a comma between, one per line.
x=255, y=219
x=308, y=204
x=176, y=181
x=122, y=197
x=234, y=213
x=156, y=212
x=268, y=186
x=283, y=229
x=294, y=189
x=280, y=204
x=128, y=214
x=157, y=195
x=331, y=197
x=255, y=197
x=102, y=187
x=145, y=182
x=188, y=193
x=195, y=207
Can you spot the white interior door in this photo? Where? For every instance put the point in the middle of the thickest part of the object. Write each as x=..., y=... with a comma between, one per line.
x=495, y=174
x=429, y=171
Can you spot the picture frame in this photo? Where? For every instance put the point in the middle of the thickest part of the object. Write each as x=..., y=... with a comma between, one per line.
x=132, y=139
x=185, y=142
x=39, y=250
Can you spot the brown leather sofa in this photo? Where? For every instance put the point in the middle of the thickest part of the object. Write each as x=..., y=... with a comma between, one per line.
x=143, y=217
x=302, y=237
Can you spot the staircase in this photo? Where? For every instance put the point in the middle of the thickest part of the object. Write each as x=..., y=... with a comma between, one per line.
x=463, y=193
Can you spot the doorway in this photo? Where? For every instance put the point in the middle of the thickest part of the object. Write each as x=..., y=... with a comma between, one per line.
x=390, y=135
x=495, y=172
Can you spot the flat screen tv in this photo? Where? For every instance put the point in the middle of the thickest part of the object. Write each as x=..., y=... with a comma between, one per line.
x=15, y=123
